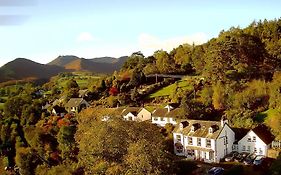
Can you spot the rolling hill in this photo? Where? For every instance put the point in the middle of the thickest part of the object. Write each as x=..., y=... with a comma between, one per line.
x=22, y=68
x=98, y=65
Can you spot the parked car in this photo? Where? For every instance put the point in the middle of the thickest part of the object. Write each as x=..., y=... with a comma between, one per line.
x=240, y=157
x=258, y=160
x=231, y=156
x=216, y=171
x=249, y=159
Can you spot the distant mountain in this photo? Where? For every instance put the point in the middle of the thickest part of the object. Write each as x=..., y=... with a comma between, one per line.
x=98, y=65
x=22, y=68
x=105, y=60
x=63, y=60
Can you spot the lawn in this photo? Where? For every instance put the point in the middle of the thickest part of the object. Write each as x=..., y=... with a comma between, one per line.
x=81, y=81
x=168, y=90
x=262, y=115
x=1, y=106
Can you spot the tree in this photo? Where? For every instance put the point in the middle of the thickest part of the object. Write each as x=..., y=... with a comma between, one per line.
x=164, y=63
x=273, y=120
x=66, y=141
x=26, y=160
x=116, y=144
x=71, y=84
x=218, y=96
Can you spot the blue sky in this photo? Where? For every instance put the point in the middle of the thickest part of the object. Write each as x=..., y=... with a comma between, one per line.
x=41, y=30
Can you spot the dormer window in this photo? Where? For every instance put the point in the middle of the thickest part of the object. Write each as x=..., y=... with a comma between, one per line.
x=211, y=130
x=195, y=126
x=192, y=128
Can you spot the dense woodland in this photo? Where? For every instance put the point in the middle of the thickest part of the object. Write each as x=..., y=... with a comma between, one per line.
x=236, y=75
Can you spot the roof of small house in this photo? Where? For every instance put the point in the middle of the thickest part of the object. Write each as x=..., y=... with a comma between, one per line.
x=74, y=102
x=201, y=129
x=163, y=112
x=59, y=109
x=83, y=92
x=263, y=132
x=239, y=133
x=133, y=110
x=173, y=105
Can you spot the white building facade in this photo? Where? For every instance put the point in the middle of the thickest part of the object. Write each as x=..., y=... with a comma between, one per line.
x=206, y=141
x=257, y=141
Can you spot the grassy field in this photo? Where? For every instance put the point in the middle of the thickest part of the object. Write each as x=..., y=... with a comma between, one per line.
x=81, y=81
x=1, y=106
x=168, y=90
x=262, y=116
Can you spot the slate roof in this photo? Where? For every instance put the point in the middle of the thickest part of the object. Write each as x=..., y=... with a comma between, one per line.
x=59, y=109
x=202, y=130
x=83, y=93
x=173, y=105
x=74, y=102
x=263, y=132
x=133, y=110
x=160, y=112
x=239, y=134
x=163, y=112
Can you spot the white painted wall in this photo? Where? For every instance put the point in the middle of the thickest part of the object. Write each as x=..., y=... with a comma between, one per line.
x=222, y=147
x=127, y=117
x=144, y=115
x=176, y=141
x=259, y=144
x=163, y=121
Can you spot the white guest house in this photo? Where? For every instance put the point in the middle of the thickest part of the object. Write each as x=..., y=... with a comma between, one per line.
x=257, y=140
x=207, y=141
x=168, y=114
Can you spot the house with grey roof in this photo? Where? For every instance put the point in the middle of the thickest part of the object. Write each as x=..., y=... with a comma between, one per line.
x=207, y=141
x=136, y=114
x=168, y=114
x=75, y=105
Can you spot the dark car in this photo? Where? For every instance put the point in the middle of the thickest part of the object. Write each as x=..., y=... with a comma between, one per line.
x=231, y=156
x=249, y=159
x=240, y=157
x=258, y=160
x=216, y=171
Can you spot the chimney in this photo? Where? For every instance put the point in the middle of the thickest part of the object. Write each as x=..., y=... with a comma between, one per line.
x=223, y=121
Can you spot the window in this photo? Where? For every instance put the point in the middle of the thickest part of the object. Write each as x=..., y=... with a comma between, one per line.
x=130, y=118
x=190, y=152
x=211, y=155
x=260, y=151
x=155, y=119
x=249, y=139
x=208, y=143
x=198, y=141
x=225, y=140
x=178, y=138
x=254, y=138
x=249, y=148
x=162, y=119
x=173, y=119
x=190, y=141
x=244, y=148
x=179, y=148
x=255, y=150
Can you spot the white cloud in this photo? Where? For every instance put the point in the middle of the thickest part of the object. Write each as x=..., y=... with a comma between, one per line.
x=85, y=36
x=149, y=43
